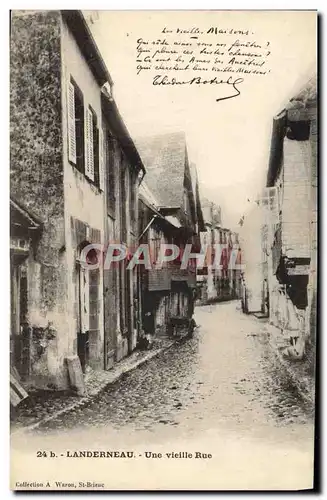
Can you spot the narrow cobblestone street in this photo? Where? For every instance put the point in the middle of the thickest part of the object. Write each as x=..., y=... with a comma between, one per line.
x=225, y=376
x=222, y=391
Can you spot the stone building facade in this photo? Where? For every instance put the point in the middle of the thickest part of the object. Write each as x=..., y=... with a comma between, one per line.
x=253, y=242
x=124, y=171
x=60, y=127
x=218, y=280
x=290, y=204
x=168, y=214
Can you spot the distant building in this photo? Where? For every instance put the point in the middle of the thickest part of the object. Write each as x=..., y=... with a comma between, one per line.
x=218, y=280
x=253, y=241
x=169, y=212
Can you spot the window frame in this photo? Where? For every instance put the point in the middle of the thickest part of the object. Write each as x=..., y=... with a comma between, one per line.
x=79, y=161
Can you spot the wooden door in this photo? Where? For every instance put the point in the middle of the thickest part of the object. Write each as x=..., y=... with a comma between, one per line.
x=84, y=317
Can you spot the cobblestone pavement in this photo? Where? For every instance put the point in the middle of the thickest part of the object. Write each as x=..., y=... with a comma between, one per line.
x=225, y=376
x=44, y=405
x=223, y=397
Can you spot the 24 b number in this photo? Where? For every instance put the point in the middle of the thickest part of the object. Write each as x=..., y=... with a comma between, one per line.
x=45, y=454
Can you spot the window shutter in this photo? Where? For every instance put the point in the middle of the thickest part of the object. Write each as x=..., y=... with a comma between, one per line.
x=89, y=157
x=91, y=145
x=86, y=141
x=101, y=159
x=71, y=123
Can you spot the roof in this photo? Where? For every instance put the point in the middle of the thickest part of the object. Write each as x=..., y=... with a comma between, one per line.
x=295, y=110
x=197, y=197
x=119, y=129
x=276, y=147
x=307, y=93
x=21, y=217
x=211, y=212
x=147, y=197
x=147, y=194
x=87, y=45
x=164, y=157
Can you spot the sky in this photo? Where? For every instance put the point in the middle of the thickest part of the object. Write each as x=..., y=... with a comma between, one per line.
x=227, y=140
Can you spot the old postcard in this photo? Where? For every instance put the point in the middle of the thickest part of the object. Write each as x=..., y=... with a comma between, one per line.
x=163, y=250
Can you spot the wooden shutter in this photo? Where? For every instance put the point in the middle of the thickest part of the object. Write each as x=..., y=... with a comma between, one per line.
x=86, y=141
x=91, y=145
x=71, y=123
x=101, y=159
x=89, y=156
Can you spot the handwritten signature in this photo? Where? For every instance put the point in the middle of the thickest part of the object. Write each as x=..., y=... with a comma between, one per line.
x=198, y=80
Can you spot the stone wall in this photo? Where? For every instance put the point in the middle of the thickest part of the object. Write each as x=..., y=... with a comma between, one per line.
x=296, y=198
x=312, y=287
x=36, y=179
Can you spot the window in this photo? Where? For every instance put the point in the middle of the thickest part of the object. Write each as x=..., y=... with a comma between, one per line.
x=91, y=146
x=86, y=149
x=95, y=149
x=270, y=201
x=75, y=126
x=155, y=241
x=102, y=160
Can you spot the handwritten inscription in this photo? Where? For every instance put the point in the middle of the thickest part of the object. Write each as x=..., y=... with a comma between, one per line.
x=196, y=57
